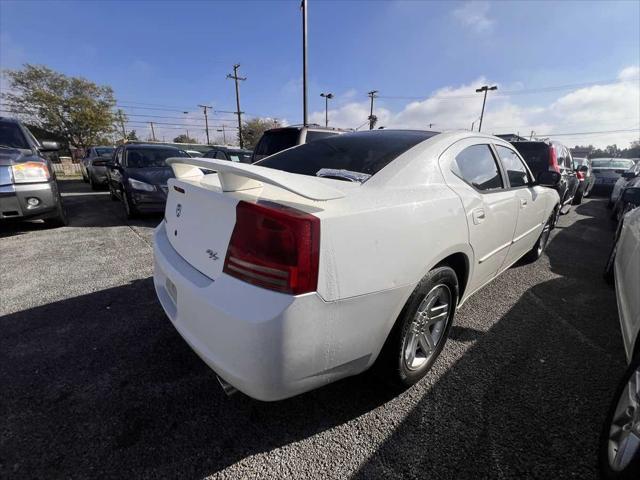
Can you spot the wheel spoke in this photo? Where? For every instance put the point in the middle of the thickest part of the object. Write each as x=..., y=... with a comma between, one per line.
x=627, y=449
x=426, y=343
x=412, y=346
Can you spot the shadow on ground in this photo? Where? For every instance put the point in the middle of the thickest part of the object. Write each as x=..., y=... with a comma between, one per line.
x=85, y=208
x=101, y=385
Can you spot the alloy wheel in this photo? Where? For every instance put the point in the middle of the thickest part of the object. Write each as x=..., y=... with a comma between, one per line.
x=624, y=432
x=427, y=328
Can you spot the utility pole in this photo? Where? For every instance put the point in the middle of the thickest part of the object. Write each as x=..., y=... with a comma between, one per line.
x=485, y=89
x=206, y=120
x=121, y=118
x=326, y=96
x=305, y=116
x=224, y=136
x=372, y=118
x=238, y=112
x=431, y=125
x=153, y=133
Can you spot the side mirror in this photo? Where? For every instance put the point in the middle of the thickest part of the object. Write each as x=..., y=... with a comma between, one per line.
x=48, y=146
x=631, y=195
x=582, y=169
x=628, y=175
x=548, y=178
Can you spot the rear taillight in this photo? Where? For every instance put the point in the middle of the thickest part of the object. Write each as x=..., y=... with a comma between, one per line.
x=274, y=247
x=553, y=160
x=580, y=175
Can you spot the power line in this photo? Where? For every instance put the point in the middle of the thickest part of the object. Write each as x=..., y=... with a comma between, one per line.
x=506, y=93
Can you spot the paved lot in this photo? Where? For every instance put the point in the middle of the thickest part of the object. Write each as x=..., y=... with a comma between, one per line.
x=94, y=381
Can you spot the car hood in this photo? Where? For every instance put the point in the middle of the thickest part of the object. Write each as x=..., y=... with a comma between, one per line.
x=14, y=156
x=152, y=176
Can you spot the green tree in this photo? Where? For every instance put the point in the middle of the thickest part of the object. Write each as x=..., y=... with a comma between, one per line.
x=253, y=129
x=73, y=108
x=182, y=138
x=132, y=136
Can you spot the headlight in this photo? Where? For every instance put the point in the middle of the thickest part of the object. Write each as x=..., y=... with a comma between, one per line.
x=138, y=185
x=30, y=172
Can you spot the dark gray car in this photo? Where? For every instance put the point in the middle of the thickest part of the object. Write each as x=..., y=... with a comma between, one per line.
x=93, y=165
x=28, y=188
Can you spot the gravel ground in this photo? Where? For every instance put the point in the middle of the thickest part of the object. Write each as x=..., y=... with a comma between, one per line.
x=95, y=382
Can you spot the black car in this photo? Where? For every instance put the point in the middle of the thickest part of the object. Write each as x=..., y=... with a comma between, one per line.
x=28, y=188
x=542, y=156
x=92, y=165
x=137, y=176
x=231, y=154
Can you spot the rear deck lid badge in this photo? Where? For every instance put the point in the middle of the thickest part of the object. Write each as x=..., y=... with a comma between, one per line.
x=212, y=255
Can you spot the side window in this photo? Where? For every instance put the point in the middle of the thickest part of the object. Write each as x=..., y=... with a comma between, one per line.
x=210, y=154
x=516, y=171
x=119, y=156
x=221, y=155
x=477, y=166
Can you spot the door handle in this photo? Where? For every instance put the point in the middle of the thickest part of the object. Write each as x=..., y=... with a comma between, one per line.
x=478, y=216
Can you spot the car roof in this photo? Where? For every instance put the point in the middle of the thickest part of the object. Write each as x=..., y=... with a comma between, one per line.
x=10, y=120
x=151, y=145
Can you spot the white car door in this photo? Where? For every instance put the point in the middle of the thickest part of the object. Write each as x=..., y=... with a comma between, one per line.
x=530, y=201
x=471, y=170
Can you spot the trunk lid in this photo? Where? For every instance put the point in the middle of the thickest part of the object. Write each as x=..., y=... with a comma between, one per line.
x=200, y=213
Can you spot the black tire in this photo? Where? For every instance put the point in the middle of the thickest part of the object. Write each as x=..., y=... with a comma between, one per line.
x=609, y=267
x=632, y=469
x=392, y=363
x=536, y=252
x=555, y=216
x=112, y=194
x=130, y=210
x=60, y=217
x=577, y=199
x=92, y=183
x=609, y=204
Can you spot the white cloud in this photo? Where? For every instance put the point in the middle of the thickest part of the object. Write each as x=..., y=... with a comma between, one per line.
x=596, y=108
x=474, y=15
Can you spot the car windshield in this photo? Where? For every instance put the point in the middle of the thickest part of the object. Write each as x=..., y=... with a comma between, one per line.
x=104, y=151
x=151, y=157
x=361, y=152
x=580, y=161
x=611, y=163
x=12, y=136
x=241, y=156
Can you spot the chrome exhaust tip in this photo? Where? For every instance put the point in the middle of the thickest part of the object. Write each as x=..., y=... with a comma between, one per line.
x=227, y=388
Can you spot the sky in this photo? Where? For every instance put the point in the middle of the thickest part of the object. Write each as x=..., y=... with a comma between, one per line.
x=560, y=67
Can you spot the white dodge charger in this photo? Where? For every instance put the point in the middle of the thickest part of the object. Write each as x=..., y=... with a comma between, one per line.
x=318, y=261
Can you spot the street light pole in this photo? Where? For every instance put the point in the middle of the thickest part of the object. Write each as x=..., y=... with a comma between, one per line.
x=372, y=119
x=326, y=96
x=238, y=112
x=485, y=89
x=305, y=117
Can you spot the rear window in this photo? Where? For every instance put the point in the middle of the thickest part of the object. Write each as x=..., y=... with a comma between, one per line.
x=274, y=141
x=239, y=156
x=611, y=163
x=580, y=161
x=151, y=157
x=535, y=154
x=362, y=152
x=103, y=151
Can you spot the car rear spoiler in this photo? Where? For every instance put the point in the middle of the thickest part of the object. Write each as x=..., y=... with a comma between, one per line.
x=235, y=176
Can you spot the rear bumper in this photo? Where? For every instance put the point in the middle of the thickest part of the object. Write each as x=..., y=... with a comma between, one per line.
x=13, y=200
x=149, y=202
x=266, y=344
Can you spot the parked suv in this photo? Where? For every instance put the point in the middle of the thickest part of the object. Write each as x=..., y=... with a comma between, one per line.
x=93, y=167
x=28, y=188
x=137, y=176
x=609, y=170
x=278, y=139
x=541, y=156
